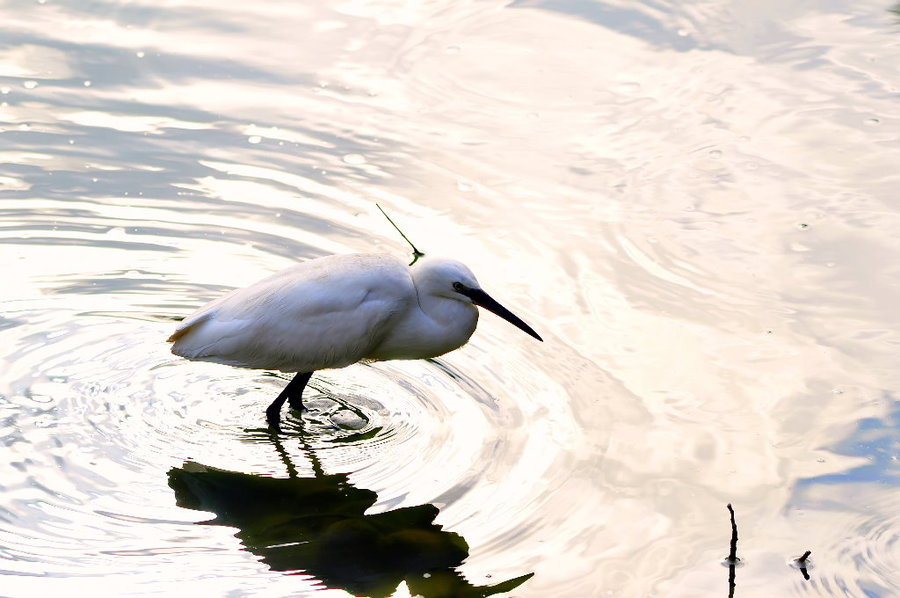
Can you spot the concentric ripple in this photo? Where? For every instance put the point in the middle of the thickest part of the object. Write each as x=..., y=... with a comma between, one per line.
x=94, y=411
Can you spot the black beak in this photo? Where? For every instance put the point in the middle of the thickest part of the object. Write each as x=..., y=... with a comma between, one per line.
x=481, y=298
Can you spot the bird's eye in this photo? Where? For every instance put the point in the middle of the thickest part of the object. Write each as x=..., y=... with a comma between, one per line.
x=458, y=287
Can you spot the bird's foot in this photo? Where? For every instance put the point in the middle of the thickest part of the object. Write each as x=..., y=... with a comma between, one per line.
x=273, y=417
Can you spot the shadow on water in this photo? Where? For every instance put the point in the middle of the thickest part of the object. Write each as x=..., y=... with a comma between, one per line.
x=319, y=526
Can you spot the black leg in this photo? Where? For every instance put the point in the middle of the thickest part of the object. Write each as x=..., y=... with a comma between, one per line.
x=295, y=390
x=293, y=393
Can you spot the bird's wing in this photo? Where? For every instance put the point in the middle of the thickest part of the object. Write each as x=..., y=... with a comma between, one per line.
x=326, y=313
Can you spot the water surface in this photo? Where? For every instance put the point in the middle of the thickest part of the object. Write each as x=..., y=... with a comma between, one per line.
x=693, y=203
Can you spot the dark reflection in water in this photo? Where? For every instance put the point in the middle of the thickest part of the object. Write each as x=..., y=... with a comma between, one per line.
x=319, y=526
x=732, y=572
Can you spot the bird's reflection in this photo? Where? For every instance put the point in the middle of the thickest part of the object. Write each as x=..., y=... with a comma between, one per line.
x=319, y=526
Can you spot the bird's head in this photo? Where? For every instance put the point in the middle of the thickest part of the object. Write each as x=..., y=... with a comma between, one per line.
x=450, y=279
x=442, y=277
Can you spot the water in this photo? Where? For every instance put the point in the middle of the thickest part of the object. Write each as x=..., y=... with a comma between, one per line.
x=693, y=203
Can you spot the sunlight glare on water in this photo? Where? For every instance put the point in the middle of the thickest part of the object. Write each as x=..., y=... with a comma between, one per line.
x=693, y=203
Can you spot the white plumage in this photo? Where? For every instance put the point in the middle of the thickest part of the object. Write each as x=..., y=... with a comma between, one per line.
x=337, y=310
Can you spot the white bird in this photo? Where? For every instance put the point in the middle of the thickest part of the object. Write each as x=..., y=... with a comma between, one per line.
x=333, y=311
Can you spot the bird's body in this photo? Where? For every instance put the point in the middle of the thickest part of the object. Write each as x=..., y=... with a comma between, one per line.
x=334, y=311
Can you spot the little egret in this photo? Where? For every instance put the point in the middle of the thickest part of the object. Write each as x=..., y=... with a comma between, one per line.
x=333, y=311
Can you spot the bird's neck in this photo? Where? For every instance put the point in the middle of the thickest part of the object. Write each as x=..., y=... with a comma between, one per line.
x=437, y=327
x=450, y=322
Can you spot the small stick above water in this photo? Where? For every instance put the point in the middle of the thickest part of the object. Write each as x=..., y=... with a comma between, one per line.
x=416, y=253
x=732, y=554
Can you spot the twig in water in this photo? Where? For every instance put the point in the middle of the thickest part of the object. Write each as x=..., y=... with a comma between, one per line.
x=732, y=554
x=801, y=564
x=732, y=560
